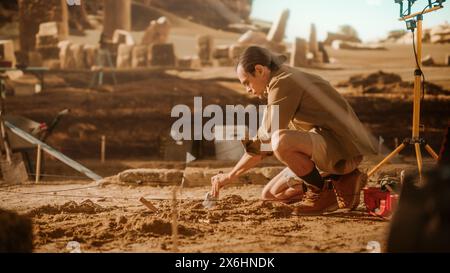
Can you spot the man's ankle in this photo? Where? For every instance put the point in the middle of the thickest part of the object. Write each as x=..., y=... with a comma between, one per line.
x=314, y=179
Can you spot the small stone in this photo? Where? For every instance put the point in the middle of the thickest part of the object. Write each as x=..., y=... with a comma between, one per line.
x=163, y=55
x=123, y=37
x=428, y=61
x=122, y=220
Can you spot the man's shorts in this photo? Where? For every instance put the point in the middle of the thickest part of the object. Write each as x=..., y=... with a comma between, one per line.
x=322, y=161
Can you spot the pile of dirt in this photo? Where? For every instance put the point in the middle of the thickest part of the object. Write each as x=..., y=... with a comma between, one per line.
x=235, y=208
x=87, y=207
x=267, y=210
x=157, y=226
x=15, y=233
x=250, y=224
x=97, y=226
x=116, y=227
x=381, y=82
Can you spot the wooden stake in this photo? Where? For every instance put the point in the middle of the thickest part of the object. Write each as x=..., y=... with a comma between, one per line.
x=396, y=145
x=380, y=145
x=148, y=204
x=38, y=163
x=103, y=149
x=174, y=220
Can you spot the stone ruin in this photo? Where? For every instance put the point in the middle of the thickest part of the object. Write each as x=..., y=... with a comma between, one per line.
x=163, y=55
x=117, y=15
x=439, y=34
x=278, y=30
x=53, y=52
x=157, y=32
x=298, y=54
x=226, y=55
x=7, y=56
x=47, y=40
x=32, y=13
x=121, y=36
x=205, y=44
x=51, y=48
x=331, y=37
x=306, y=53
x=301, y=54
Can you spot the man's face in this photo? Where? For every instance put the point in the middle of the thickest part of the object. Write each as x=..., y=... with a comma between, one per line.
x=254, y=84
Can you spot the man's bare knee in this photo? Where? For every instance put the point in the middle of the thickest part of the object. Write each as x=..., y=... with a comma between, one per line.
x=279, y=143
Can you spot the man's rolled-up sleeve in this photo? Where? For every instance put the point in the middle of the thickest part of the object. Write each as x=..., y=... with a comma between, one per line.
x=283, y=103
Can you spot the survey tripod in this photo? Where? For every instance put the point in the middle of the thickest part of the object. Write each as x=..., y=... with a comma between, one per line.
x=414, y=21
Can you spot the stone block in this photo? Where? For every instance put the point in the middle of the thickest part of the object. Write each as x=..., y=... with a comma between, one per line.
x=124, y=56
x=163, y=55
x=139, y=56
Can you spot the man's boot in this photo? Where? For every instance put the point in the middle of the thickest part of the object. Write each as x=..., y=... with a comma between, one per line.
x=348, y=189
x=317, y=201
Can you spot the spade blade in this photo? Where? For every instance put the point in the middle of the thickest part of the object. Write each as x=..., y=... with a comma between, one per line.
x=210, y=201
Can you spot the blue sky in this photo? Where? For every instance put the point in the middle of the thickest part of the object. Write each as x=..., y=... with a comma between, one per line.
x=371, y=18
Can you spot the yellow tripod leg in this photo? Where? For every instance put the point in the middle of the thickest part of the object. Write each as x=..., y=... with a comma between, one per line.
x=432, y=152
x=389, y=157
x=419, y=158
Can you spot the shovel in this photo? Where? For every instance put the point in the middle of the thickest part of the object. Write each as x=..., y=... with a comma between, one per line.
x=13, y=168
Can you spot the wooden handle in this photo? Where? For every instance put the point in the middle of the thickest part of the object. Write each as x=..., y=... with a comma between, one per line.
x=5, y=140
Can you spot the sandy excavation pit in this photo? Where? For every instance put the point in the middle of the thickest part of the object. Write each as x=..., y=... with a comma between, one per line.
x=248, y=224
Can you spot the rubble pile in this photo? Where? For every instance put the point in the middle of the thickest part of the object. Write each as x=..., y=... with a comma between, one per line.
x=381, y=82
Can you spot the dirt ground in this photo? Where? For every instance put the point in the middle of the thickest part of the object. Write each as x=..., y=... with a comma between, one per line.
x=240, y=222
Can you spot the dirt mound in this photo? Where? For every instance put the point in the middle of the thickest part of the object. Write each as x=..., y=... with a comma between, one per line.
x=267, y=210
x=244, y=221
x=375, y=78
x=118, y=227
x=281, y=211
x=15, y=233
x=86, y=206
x=381, y=82
x=235, y=208
x=233, y=200
x=161, y=227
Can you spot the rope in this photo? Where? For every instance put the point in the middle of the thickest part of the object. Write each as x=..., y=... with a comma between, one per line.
x=44, y=193
x=57, y=175
x=90, y=196
x=63, y=195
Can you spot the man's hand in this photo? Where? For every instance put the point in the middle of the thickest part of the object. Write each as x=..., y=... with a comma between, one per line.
x=247, y=162
x=218, y=182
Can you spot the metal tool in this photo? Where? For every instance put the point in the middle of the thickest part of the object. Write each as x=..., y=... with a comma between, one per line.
x=210, y=201
x=13, y=168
